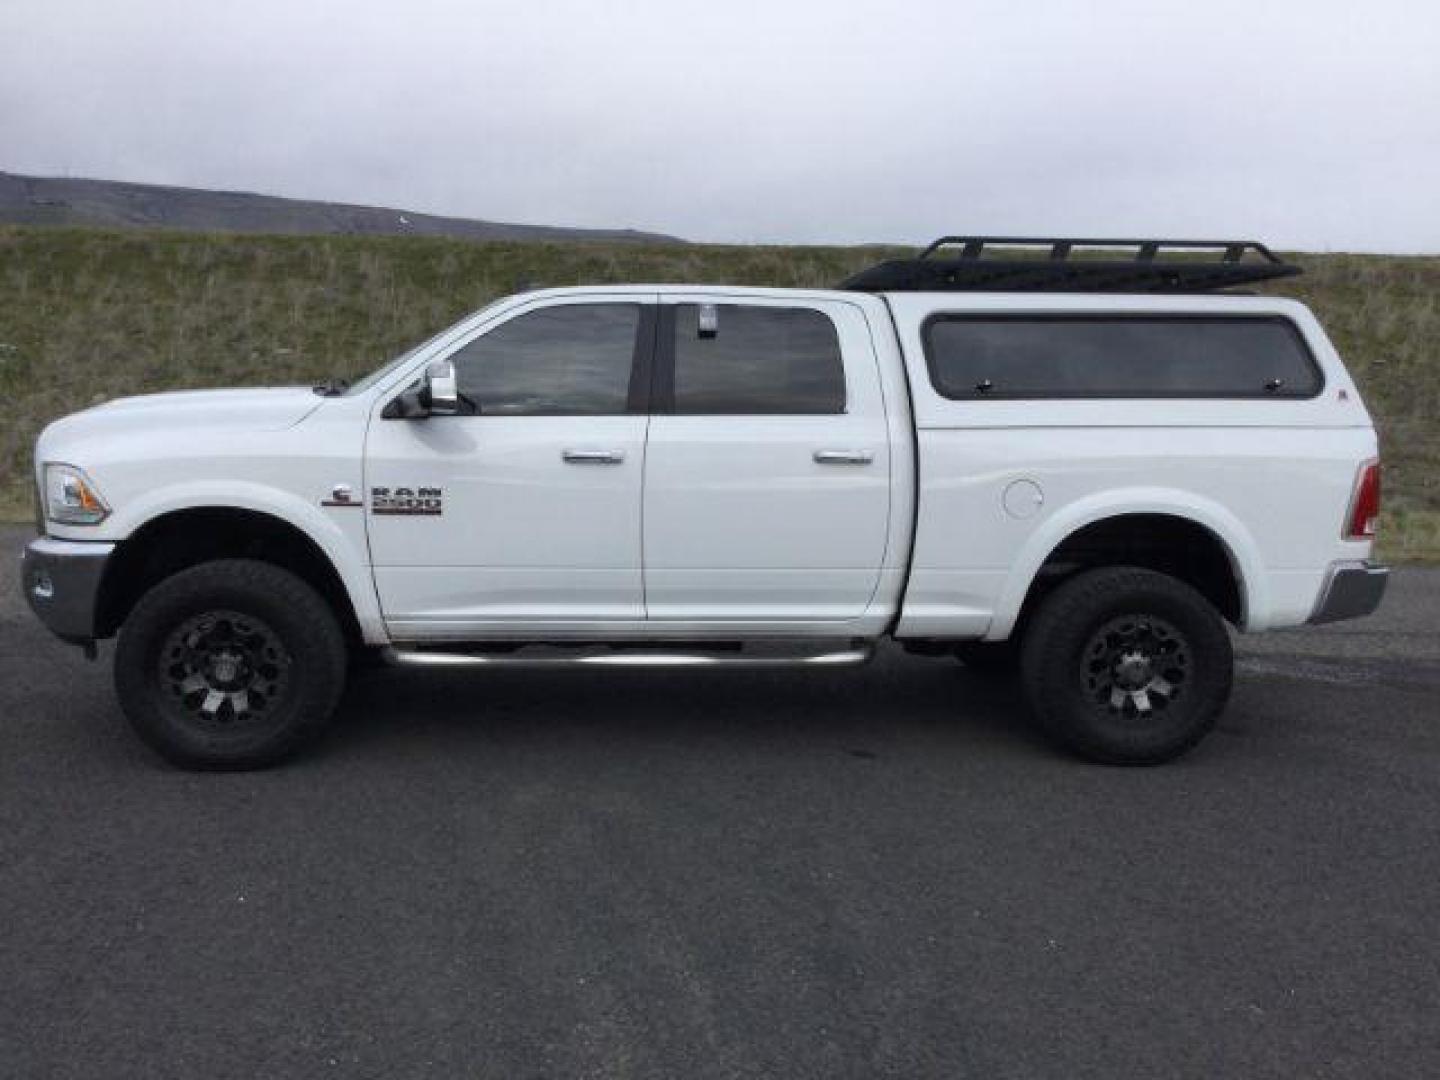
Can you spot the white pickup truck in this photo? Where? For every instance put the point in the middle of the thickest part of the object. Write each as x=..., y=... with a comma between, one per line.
x=1086, y=463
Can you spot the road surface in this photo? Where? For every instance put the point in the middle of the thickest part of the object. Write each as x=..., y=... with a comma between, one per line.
x=863, y=873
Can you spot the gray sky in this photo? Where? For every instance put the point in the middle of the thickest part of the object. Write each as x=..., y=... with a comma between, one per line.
x=1309, y=123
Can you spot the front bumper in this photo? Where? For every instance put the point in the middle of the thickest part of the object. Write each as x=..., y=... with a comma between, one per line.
x=61, y=579
x=1351, y=589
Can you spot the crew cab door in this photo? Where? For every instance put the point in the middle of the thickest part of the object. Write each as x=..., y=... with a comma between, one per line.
x=531, y=520
x=767, y=474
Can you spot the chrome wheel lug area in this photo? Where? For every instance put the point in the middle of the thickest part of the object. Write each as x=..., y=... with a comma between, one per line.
x=224, y=668
x=1133, y=670
x=227, y=669
x=1135, y=666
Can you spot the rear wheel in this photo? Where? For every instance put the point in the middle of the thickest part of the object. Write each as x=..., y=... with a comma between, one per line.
x=233, y=664
x=1126, y=666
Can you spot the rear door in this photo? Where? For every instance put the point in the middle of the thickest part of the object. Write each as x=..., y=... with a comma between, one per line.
x=768, y=462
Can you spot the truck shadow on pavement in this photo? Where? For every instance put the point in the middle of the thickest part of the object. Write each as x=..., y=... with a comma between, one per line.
x=861, y=708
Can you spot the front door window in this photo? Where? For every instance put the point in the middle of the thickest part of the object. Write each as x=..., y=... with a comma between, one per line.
x=574, y=360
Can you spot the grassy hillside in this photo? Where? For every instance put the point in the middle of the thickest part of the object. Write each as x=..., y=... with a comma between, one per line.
x=88, y=315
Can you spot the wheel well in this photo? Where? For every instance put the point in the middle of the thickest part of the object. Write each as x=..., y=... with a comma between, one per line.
x=186, y=538
x=1162, y=542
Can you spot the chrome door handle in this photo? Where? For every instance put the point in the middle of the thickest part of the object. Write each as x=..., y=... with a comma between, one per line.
x=844, y=457
x=593, y=457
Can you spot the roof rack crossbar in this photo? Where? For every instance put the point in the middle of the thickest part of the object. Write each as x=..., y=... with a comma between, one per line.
x=1106, y=265
x=974, y=246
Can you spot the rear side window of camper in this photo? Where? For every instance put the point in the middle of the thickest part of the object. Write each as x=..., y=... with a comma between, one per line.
x=1118, y=356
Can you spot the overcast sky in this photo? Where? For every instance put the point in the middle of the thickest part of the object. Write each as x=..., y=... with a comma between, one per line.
x=1309, y=123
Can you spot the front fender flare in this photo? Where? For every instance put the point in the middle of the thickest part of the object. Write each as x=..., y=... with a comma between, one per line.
x=350, y=562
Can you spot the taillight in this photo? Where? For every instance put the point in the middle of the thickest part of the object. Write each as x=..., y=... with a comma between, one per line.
x=1365, y=504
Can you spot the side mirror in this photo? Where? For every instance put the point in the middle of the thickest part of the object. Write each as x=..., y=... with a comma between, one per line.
x=436, y=394
x=442, y=389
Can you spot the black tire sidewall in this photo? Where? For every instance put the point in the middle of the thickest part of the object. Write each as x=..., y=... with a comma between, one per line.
x=1053, y=655
x=306, y=627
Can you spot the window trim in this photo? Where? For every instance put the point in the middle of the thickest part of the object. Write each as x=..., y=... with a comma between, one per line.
x=642, y=362
x=1307, y=354
x=662, y=386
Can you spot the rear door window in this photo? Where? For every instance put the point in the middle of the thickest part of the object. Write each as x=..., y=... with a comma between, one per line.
x=753, y=359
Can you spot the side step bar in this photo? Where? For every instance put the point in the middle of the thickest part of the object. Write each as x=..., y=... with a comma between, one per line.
x=556, y=656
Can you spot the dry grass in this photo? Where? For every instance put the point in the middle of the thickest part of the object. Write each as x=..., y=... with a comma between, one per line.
x=87, y=315
x=1383, y=313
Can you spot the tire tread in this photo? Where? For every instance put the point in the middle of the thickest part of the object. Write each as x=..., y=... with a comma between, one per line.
x=1066, y=617
x=283, y=598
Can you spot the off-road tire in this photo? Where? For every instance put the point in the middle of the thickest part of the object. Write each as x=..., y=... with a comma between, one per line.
x=247, y=620
x=1073, y=672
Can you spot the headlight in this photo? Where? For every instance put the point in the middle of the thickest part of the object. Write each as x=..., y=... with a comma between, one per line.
x=71, y=497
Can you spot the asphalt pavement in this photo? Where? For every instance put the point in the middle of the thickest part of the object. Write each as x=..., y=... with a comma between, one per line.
x=865, y=873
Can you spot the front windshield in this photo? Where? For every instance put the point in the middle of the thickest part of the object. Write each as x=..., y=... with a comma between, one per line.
x=365, y=382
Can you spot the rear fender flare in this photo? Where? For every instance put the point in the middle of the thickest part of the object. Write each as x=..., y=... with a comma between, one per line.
x=1237, y=540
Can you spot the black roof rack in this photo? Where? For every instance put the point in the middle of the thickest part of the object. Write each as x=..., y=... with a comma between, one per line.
x=1075, y=265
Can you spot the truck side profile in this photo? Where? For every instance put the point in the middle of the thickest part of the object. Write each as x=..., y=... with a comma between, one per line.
x=1087, y=478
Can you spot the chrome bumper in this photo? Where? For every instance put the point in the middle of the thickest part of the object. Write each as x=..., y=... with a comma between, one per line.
x=1351, y=589
x=61, y=579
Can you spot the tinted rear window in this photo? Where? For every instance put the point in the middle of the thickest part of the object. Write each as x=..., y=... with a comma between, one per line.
x=1118, y=357
x=757, y=360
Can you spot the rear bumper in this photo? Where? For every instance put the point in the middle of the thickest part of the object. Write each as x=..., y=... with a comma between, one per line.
x=61, y=579
x=1351, y=589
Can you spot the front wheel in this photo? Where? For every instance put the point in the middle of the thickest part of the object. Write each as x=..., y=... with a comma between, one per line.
x=232, y=664
x=1126, y=666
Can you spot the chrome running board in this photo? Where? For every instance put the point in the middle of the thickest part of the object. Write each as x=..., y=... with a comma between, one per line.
x=765, y=655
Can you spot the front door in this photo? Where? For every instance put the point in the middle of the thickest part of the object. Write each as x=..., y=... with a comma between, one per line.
x=530, y=518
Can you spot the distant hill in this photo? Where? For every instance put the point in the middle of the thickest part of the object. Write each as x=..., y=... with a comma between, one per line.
x=54, y=200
